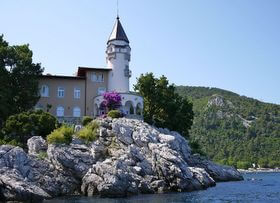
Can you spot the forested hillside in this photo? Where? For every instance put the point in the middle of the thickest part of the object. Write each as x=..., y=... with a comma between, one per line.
x=233, y=129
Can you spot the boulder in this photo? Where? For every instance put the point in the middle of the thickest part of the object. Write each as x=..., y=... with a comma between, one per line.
x=14, y=187
x=216, y=171
x=26, y=177
x=36, y=145
x=74, y=158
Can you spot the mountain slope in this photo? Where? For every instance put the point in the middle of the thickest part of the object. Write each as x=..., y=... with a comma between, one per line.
x=233, y=129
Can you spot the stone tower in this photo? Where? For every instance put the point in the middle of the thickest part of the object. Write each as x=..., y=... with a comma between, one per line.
x=118, y=57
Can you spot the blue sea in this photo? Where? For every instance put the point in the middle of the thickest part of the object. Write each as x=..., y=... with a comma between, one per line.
x=256, y=187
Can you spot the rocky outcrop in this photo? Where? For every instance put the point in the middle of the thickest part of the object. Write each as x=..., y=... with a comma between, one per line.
x=216, y=171
x=129, y=157
x=145, y=159
x=25, y=177
x=219, y=101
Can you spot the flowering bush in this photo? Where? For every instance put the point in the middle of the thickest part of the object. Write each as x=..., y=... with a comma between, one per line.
x=112, y=100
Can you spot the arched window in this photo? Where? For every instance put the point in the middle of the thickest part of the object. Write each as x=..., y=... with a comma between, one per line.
x=59, y=111
x=44, y=91
x=76, y=112
x=128, y=108
x=139, y=109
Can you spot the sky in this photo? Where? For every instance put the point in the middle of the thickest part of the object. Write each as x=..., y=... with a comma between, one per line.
x=233, y=45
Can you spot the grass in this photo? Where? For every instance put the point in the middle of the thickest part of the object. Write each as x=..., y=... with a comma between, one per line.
x=62, y=135
x=89, y=133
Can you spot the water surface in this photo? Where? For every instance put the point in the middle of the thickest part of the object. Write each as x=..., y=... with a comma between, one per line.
x=257, y=187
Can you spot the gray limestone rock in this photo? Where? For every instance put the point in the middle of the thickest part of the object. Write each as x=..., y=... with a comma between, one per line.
x=216, y=171
x=25, y=177
x=129, y=157
x=36, y=145
x=14, y=187
x=74, y=158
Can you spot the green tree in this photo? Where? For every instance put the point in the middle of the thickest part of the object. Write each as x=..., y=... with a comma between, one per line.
x=18, y=79
x=163, y=107
x=20, y=127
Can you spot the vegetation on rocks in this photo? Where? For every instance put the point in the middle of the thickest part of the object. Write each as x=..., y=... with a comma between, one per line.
x=62, y=135
x=114, y=114
x=86, y=120
x=19, y=128
x=89, y=133
x=42, y=155
x=234, y=130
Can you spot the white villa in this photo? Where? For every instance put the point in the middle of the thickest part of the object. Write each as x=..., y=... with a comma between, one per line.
x=70, y=97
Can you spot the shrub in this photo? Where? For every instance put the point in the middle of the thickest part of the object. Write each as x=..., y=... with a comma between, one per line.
x=10, y=142
x=114, y=114
x=89, y=133
x=243, y=165
x=86, y=120
x=196, y=148
x=20, y=127
x=263, y=163
x=62, y=135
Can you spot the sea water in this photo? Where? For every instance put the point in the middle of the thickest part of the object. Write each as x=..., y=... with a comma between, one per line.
x=256, y=187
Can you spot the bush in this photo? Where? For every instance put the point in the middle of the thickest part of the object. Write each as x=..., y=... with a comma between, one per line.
x=89, y=133
x=62, y=135
x=263, y=163
x=243, y=165
x=10, y=142
x=196, y=148
x=86, y=120
x=114, y=114
x=20, y=127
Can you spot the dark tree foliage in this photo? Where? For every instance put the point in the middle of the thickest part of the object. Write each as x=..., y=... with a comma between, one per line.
x=18, y=79
x=163, y=107
x=222, y=134
x=20, y=127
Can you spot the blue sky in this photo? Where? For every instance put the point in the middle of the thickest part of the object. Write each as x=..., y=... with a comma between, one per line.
x=233, y=45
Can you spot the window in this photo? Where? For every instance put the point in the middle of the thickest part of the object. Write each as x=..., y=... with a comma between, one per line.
x=77, y=93
x=60, y=92
x=100, y=78
x=76, y=112
x=59, y=111
x=101, y=90
x=44, y=91
x=93, y=77
x=97, y=77
x=127, y=72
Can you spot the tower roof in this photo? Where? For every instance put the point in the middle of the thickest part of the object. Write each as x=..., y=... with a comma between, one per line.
x=118, y=32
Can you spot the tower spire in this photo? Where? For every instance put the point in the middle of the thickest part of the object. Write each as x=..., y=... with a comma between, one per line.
x=118, y=32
